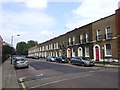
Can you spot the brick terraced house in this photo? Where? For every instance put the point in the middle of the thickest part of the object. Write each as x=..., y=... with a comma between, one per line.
x=98, y=40
x=1, y=43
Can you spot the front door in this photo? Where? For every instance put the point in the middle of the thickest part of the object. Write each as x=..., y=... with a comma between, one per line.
x=97, y=53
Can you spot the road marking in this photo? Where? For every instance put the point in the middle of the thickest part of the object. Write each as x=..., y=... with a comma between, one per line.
x=22, y=78
x=95, y=68
x=92, y=71
x=39, y=75
x=22, y=84
x=32, y=68
x=59, y=81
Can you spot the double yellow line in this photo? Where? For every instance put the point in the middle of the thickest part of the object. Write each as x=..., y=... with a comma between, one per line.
x=22, y=84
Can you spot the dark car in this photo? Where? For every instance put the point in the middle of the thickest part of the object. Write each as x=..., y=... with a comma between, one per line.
x=51, y=58
x=35, y=57
x=82, y=61
x=61, y=59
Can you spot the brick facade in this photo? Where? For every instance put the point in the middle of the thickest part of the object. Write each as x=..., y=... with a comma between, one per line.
x=118, y=29
x=1, y=43
x=97, y=40
x=104, y=33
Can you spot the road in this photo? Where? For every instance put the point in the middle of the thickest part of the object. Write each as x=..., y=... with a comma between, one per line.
x=43, y=74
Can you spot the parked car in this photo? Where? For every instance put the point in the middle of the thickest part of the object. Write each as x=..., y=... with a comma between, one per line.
x=35, y=57
x=14, y=58
x=51, y=58
x=20, y=62
x=82, y=61
x=61, y=59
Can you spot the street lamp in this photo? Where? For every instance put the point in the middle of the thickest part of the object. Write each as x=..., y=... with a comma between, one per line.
x=103, y=55
x=12, y=46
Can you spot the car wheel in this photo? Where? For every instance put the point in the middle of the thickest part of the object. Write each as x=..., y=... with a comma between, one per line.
x=15, y=68
x=72, y=63
x=28, y=66
x=83, y=64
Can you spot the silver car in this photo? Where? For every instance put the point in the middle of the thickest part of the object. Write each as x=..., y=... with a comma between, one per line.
x=21, y=62
x=51, y=58
x=82, y=61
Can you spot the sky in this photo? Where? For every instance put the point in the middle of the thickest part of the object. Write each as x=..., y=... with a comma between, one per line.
x=42, y=20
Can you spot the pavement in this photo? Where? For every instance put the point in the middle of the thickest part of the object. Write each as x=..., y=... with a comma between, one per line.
x=9, y=78
x=107, y=65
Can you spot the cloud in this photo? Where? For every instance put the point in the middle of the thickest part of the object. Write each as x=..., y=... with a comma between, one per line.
x=91, y=10
x=37, y=4
x=28, y=23
x=42, y=0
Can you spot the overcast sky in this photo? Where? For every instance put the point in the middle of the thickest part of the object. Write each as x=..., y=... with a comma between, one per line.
x=41, y=20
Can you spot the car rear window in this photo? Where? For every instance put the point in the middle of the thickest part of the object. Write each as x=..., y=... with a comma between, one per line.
x=21, y=60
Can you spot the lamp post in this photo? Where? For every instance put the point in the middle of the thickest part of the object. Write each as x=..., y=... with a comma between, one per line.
x=103, y=55
x=12, y=46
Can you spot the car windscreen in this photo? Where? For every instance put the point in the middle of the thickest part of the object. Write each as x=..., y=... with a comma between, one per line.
x=63, y=57
x=85, y=58
x=21, y=60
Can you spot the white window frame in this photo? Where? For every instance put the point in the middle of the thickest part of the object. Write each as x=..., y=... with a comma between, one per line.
x=106, y=51
x=86, y=54
x=69, y=41
x=81, y=39
x=56, y=45
x=99, y=34
x=42, y=48
x=74, y=40
x=51, y=46
x=106, y=30
x=86, y=36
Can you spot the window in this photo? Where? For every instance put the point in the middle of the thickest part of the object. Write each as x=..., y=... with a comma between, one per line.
x=46, y=47
x=73, y=40
x=54, y=46
x=86, y=37
x=51, y=46
x=40, y=49
x=108, y=33
x=43, y=48
x=86, y=51
x=99, y=35
x=69, y=41
x=73, y=52
x=57, y=45
x=108, y=50
x=37, y=49
x=81, y=39
x=63, y=44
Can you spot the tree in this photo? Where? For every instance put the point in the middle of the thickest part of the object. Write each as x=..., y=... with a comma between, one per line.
x=31, y=43
x=21, y=48
x=7, y=50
